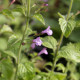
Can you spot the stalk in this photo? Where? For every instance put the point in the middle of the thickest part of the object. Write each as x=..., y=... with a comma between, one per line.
x=20, y=47
x=61, y=38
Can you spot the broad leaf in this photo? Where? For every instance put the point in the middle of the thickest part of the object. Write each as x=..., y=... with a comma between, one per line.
x=26, y=70
x=57, y=76
x=60, y=67
x=6, y=69
x=60, y=76
x=19, y=9
x=11, y=54
x=40, y=18
x=37, y=77
x=49, y=42
x=13, y=44
x=7, y=13
x=13, y=39
x=66, y=26
x=70, y=52
x=3, y=44
x=6, y=29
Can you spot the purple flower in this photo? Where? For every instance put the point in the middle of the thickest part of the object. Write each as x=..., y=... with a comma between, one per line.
x=48, y=31
x=37, y=42
x=43, y=51
x=45, y=4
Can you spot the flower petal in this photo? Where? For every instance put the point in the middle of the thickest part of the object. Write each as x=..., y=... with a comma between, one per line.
x=48, y=31
x=37, y=41
x=43, y=51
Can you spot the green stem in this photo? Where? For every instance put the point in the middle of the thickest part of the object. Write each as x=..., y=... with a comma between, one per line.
x=20, y=47
x=56, y=52
x=70, y=7
x=61, y=38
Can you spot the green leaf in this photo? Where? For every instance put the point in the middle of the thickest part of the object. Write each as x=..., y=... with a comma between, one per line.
x=60, y=67
x=49, y=42
x=3, y=19
x=19, y=9
x=13, y=39
x=6, y=29
x=37, y=77
x=7, y=13
x=48, y=64
x=3, y=44
x=60, y=76
x=39, y=17
x=26, y=70
x=57, y=76
x=70, y=52
x=44, y=76
x=10, y=53
x=66, y=26
x=6, y=69
x=29, y=32
x=13, y=44
x=24, y=2
x=22, y=70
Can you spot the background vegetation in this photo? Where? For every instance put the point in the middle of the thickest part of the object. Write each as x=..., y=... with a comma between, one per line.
x=12, y=21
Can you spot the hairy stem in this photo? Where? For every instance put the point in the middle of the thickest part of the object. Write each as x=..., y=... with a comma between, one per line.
x=61, y=38
x=20, y=47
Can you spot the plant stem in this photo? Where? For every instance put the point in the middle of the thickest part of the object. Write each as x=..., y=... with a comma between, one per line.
x=61, y=38
x=56, y=52
x=20, y=47
x=70, y=7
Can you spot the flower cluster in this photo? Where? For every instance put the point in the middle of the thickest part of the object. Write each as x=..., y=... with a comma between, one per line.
x=38, y=42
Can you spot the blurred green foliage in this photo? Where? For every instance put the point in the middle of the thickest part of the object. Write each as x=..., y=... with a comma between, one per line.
x=12, y=21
